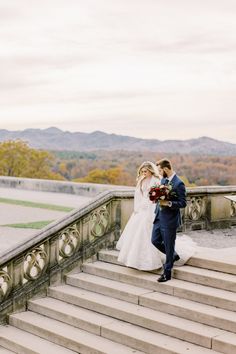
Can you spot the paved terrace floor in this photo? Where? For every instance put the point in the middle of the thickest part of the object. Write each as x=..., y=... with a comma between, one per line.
x=220, y=244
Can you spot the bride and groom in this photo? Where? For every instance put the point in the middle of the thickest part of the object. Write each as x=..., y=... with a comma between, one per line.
x=149, y=241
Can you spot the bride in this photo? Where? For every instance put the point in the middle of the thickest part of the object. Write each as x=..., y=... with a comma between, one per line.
x=135, y=246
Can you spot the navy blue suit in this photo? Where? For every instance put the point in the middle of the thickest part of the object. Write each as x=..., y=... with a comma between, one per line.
x=166, y=222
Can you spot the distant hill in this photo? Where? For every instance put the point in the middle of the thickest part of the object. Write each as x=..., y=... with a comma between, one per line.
x=56, y=139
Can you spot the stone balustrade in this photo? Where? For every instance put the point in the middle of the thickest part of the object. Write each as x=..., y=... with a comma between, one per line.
x=65, y=244
x=207, y=208
x=60, y=247
x=44, y=185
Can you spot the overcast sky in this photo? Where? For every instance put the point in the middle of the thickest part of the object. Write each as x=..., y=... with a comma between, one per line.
x=163, y=69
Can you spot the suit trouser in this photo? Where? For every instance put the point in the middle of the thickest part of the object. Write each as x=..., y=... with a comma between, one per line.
x=163, y=239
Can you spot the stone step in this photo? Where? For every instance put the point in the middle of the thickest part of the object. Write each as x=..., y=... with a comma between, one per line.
x=225, y=344
x=109, y=256
x=204, y=258
x=5, y=351
x=206, y=277
x=192, y=274
x=180, y=328
x=22, y=342
x=116, y=330
x=200, y=293
x=71, y=314
x=188, y=309
x=67, y=336
x=118, y=290
x=220, y=260
x=191, y=310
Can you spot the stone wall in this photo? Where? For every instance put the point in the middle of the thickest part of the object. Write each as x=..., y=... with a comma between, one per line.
x=208, y=208
x=43, y=185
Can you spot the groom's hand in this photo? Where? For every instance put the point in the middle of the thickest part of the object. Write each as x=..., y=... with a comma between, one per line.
x=164, y=203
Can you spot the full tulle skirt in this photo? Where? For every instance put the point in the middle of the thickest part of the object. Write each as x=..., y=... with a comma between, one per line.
x=185, y=247
x=135, y=246
x=137, y=250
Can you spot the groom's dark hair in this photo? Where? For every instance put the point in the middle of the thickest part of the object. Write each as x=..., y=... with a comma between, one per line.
x=164, y=163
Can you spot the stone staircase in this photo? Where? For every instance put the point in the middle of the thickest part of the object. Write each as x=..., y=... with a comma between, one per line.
x=112, y=309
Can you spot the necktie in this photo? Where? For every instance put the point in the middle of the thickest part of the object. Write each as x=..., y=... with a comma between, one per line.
x=167, y=181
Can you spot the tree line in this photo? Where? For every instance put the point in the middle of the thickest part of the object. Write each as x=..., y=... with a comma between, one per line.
x=109, y=167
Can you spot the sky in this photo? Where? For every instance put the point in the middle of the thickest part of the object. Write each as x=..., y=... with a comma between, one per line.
x=163, y=69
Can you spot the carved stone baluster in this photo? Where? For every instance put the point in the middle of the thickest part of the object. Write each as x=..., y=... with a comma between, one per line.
x=69, y=241
x=35, y=263
x=5, y=283
x=99, y=221
x=233, y=209
x=196, y=208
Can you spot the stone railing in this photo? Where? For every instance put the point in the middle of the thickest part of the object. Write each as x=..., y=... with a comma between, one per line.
x=65, y=244
x=207, y=208
x=45, y=185
x=60, y=247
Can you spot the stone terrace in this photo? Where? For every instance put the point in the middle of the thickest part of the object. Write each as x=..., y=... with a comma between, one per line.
x=64, y=291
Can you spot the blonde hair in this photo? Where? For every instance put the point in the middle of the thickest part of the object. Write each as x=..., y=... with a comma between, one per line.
x=150, y=166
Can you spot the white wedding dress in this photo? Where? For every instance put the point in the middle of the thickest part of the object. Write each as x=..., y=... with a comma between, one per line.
x=134, y=244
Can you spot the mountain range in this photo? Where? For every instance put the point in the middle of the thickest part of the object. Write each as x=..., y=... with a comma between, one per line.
x=56, y=139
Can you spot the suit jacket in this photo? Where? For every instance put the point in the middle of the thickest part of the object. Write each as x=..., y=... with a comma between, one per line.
x=169, y=217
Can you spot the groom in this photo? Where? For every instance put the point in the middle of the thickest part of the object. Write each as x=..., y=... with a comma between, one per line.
x=168, y=218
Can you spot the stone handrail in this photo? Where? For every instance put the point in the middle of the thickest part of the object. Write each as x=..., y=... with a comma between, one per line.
x=58, y=248
x=45, y=185
x=207, y=208
x=65, y=244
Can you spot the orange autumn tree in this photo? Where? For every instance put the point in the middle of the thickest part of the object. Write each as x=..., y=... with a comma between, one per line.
x=115, y=175
x=17, y=159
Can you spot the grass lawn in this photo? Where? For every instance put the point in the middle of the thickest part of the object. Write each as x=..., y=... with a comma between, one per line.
x=35, y=205
x=31, y=225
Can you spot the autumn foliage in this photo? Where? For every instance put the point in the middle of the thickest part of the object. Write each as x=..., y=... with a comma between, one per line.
x=115, y=175
x=110, y=167
x=17, y=159
x=120, y=167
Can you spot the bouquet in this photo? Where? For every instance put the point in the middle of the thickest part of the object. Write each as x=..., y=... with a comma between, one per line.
x=160, y=192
